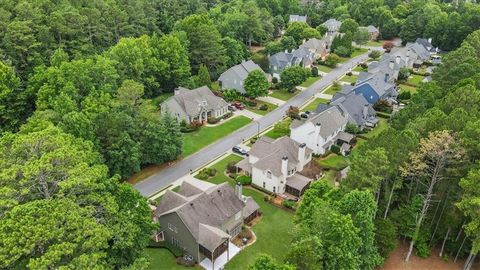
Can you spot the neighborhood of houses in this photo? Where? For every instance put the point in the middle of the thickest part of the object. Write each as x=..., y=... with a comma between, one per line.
x=206, y=221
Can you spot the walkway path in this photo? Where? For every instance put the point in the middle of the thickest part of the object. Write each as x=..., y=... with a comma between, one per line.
x=162, y=179
x=272, y=100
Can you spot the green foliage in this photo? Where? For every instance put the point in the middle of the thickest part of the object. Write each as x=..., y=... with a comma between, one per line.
x=13, y=107
x=332, y=60
x=203, y=77
x=288, y=204
x=256, y=84
x=352, y=128
x=385, y=236
x=403, y=74
x=300, y=31
x=349, y=26
x=314, y=72
x=343, y=51
x=405, y=95
x=244, y=179
x=287, y=43
x=265, y=262
x=230, y=95
x=306, y=253
x=375, y=54
x=344, y=41
x=361, y=37
x=235, y=51
x=293, y=76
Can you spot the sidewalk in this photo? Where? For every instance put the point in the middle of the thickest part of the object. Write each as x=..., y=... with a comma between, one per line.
x=324, y=96
x=272, y=100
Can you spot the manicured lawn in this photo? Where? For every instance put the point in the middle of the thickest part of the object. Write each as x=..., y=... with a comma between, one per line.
x=408, y=88
x=375, y=43
x=283, y=94
x=161, y=98
x=324, y=68
x=333, y=161
x=381, y=126
x=310, y=81
x=194, y=141
x=221, y=166
x=162, y=259
x=314, y=103
x=256, y=109
x=415, y=80
x=280, y=129
x=355, y=53
x=349, y=79
x=329, y=177
x=331, y=90
x=359, y=69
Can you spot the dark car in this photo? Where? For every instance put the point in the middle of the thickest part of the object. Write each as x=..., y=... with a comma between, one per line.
x=231, y=108
x=240, y=151
x=304, y=115
x=238, y=105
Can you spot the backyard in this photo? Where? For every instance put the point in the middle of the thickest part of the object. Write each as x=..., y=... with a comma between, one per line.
x=162, y=259
x=415, y=79
x=256, y=109
x=314, y=103
x=194, y=141
x=408, y=88
x=333, y=161
x=283, y=94
x=381, y=126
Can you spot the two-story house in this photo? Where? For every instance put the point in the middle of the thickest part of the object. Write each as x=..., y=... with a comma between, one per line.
x=234, y=77
x=274, y=165
x=281, y=60
x=319, y=132
x=316, y=46
x=194, y=105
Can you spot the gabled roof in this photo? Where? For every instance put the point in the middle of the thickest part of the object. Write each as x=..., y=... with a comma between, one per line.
x=377, y=81
x=193, y=101
x=297, y=18
x=192, y=187
x=372, y=29
x=353, y=105
x=250, y=207
x=241, y=70
x=270, y=153
x=333, y=25
x=421, y=52
x=211, y=237
x=298, y=181
x=426, y=44
x=330, y=120
x=317, y=45
x=280, y=59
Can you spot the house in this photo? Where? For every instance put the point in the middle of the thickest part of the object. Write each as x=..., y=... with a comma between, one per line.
x=297, y=18
x=194, y=105
x=355, y=108
x=332, y=25
x=235, y=76
x=427, y=44
x=316, y=46
x=388, y=64
x=274, y=165
x=281, y=60
x=373, y=87
x=413, y=54
x=202, y=218
x=319, y=132
x=372, y=31
x=330, y=36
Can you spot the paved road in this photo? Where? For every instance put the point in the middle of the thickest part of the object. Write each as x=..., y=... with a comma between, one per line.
x=162, y=179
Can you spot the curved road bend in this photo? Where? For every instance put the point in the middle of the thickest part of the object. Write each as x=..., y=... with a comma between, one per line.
x=162, y=179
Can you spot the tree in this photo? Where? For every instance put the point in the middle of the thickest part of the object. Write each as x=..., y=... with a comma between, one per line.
x=300, y=31
x=385, y=237
x=322, y=30
x=293, y=76
x=288, y=43
x=332, y=60
x=265, y=262
x=256, y=84
x=203, y=77
x=361, y=37
x=349, y=26
x=343, y=51
x=293, y=112
x=427, y=165
x=403, y=73
x=13, y=109
x=374, y=54
x=388, y=46
x=235, y=51
x=306, y=253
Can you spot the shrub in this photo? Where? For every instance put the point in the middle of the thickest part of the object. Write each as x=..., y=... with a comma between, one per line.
x=382, y=106
x=352, y=128
x=374, y=54
x=364, y=65
x=231, y=168
x=349, y=73
x=289, y=204
x=314, y=72
x=233, y=175
x=293, y=76
x=206, y=173
x=263, y=107
x=194, y=125
x=404, y=95
x=343, y=51
x=250, y=103
x=403, y=74
x=332, y=60
x=293, y=112
x=183, y=123
x=388, y=45
x=253, y=140
x=274, y=80
x=335, y=149
x=212, y=120
x=202, y=176
x=385, y=236
x=267, y=198
x=230, y=95
x=423, y=251
x=227, y=115
x=244, y=180
x=383, y=115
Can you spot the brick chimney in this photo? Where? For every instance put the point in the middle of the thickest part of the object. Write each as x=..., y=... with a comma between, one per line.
x=285, y=166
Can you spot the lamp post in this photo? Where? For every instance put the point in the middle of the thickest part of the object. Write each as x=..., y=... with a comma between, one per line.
x=258, y=126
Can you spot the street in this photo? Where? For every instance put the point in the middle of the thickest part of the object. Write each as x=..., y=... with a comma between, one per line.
x=162, y=179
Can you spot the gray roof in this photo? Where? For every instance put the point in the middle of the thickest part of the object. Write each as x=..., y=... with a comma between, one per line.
x=344, y=136
x=426, y=44
x=298, y=181
x=353, y=106
x=250, y=207
x=297, y=18
x=284, y=59
x=270, y=153
x=378, y=81
x=421, y=52
x=280, y=59
x=314, y=44
x=193, y=101
x=330, y=120
x=372, y=29
x=211, y=237
x=242, y=70
x=333, y=25
x=302, y=54
x=211, y=207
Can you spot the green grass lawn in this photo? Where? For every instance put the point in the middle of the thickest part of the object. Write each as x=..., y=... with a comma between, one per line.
x=415, y=80
x=280, y=129
x=194, y=141
x=359, y=69
x=349, y=79
x=333, y=161
x=161, y=98
x=220, y=166
x=283, y=94
x=329, y=176
x=215, y=86
x=309, y=81
x=162, y=259
x=324, y=68
x=256, y=109
x=358, y=51
x=331, y=90
x=408, y=88
x=375, y=43
x=381, y=126
x=314, y=103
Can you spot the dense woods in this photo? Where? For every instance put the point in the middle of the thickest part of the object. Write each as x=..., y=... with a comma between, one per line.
x=76, y=121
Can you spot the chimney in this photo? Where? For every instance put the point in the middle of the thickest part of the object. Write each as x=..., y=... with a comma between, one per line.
x=301, y=156
x=391, y=65
x=176, y=91
x=285, y=166
x=430, y=40
x=397, y=60
x=286, y=50
x=238, y=190
x=365, y=111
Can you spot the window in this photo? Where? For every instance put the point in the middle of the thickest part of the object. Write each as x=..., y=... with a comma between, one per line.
x=269, y=175
x=172, y=227
x=263, y=184
x=175, y=242
x=273, y=189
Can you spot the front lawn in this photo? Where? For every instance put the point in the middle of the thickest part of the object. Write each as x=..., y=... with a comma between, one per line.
x=194, y=141
x=280, y=129
x=162, y=258
x=381, y=126
x=256, y=109
x=349, y=79
x=312, y=106
x=283, y=94
x=359, y=68
x=221, y=166
x=323, y=68
x=333, y=89
x=309, y=81
x=358, y=51
x=333, y=161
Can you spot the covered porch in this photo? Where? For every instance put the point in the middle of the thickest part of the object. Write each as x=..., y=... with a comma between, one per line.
x=297, y=184
x=221, y=259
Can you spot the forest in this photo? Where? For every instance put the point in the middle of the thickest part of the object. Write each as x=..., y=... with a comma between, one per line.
x=76, y=79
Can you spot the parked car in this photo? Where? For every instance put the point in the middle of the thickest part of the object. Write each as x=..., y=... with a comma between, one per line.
x=304, y=115
x=231, y=108
x=308, y=112
x=240, y=151
x=238, y=105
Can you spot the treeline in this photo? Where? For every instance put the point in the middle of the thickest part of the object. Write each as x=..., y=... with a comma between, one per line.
x=418, y=181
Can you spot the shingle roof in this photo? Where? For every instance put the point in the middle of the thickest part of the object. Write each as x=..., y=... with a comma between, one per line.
x=298, y=181
x=250, y=207
x=353, y=105
x=192, y=101
x=317, y=45
x=371, y=29
x=330, y=120
x=270, y=153
x=421, y=52
x=242, y=69
x=333, y=25
x=211, y=237
x=280, y=59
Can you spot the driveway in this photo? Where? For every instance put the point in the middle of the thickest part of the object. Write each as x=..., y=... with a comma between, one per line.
x=272, y=100
x=162, y=179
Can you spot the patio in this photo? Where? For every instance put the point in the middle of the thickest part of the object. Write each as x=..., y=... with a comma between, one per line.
x=221, y=260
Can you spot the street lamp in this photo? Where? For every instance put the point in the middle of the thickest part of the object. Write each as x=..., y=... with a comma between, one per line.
x=258, y=126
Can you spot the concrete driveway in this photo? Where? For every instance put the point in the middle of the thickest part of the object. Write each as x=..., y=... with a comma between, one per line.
x=162, y=179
